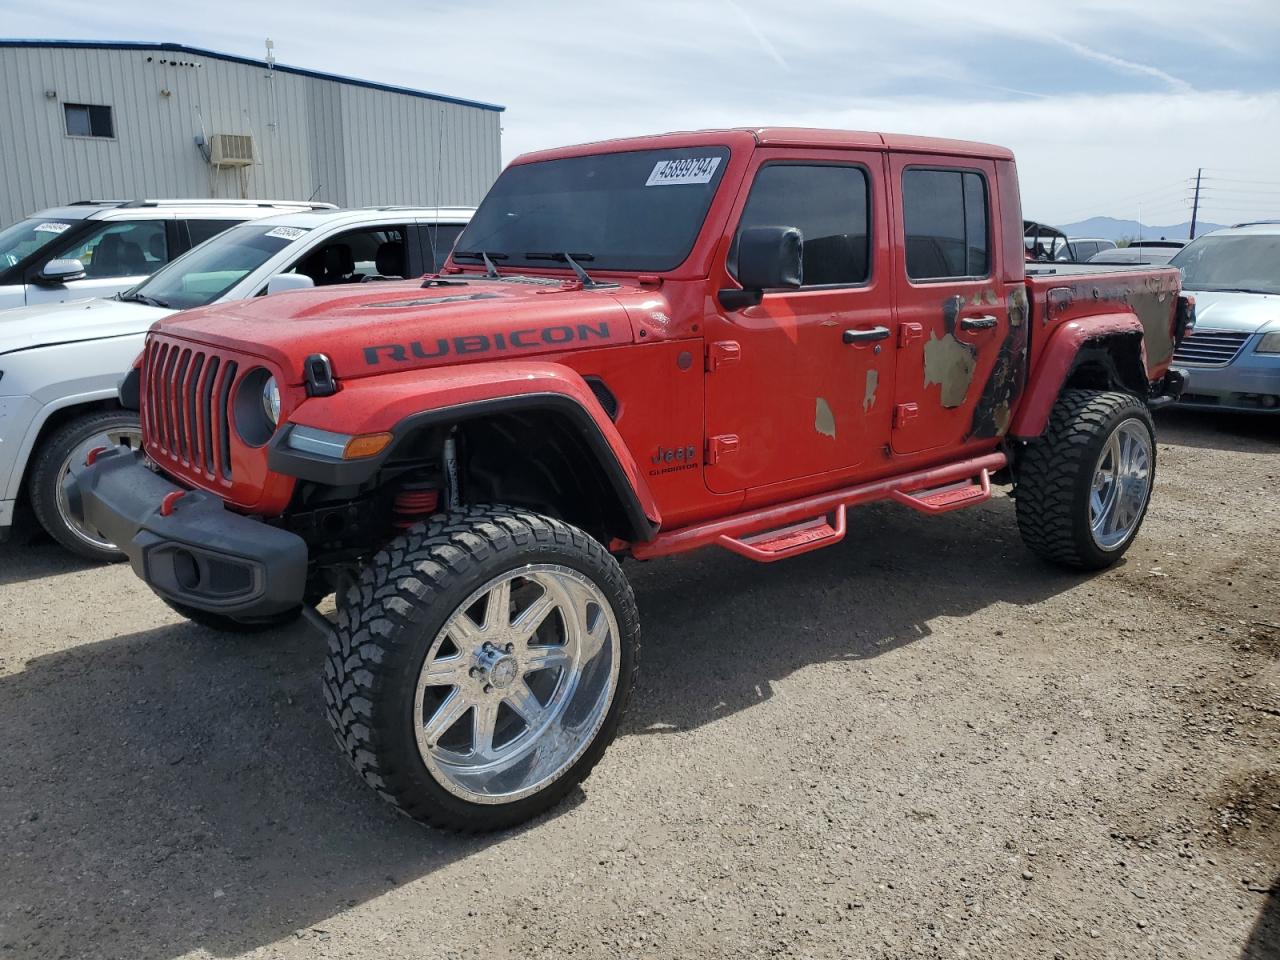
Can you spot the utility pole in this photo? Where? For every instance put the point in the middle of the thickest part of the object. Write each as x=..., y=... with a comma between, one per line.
x=1195, y=206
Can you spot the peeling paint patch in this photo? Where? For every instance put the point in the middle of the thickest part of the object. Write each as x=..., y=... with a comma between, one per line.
x=950, y=363
x=1002, y=417
x=1018, y=306
x=824, y=420
x=994, y=410
x=869, y=394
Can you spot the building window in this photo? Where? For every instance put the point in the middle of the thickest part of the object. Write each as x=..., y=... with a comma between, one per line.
x=84, y=120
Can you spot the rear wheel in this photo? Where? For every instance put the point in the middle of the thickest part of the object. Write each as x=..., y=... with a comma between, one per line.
x=53, y=474
x=1084, y=486
x=481, y=666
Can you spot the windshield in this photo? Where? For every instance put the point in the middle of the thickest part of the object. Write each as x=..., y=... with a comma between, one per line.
x=19, y=241
x=206, y=272
x=1244, y=262
x=614, y=211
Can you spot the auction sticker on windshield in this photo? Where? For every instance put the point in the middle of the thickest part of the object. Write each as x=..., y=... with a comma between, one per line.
x=51, y=227
x=286, y=233
x=689, y=170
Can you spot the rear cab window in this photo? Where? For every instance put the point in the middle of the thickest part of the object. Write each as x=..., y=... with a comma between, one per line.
x=947, y=224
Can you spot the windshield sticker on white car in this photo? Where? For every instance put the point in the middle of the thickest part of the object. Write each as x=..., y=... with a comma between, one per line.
x=689, y=170
x=286, y=233
x=51, y=227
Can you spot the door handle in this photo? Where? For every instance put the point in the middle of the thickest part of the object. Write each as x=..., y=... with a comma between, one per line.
x=978, y=323
x=869, y=335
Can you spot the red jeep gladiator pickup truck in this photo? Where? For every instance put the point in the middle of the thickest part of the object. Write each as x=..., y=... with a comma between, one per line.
x=637, y=348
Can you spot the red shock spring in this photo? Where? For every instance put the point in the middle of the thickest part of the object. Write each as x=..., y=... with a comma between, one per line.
x=414, y=502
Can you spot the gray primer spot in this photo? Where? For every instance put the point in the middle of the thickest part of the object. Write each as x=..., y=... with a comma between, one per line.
x=824, y=420
x=950, y=363
x=869, y=395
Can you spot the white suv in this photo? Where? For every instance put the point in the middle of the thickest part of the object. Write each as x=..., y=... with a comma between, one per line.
x=92, y=249
x=60, y=364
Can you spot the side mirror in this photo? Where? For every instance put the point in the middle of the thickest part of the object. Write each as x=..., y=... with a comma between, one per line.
x=289, y=281
x=60, y=271
x=769, y=258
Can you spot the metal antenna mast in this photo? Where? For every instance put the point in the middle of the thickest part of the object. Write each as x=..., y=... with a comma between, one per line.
x=1195, y=206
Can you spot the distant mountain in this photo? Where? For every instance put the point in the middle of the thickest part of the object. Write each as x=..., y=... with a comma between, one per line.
x=1109, y=228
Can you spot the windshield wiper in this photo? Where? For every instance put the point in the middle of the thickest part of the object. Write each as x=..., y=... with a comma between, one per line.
x=490, y=271
x=572, y=260
x=143, y=298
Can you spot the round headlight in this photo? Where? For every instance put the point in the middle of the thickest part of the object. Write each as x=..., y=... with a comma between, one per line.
x=271, y=400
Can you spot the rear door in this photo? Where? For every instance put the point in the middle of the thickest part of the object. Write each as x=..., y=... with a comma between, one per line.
x=788, y=394
x=952, y=316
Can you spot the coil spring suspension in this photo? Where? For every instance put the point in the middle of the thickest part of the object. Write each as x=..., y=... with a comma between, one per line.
x=414, y=501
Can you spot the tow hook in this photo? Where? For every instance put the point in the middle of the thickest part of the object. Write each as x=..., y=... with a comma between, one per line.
x=170, y=501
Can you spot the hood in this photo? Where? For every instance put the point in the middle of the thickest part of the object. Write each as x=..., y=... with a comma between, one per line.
x=372, y=328
x=1241, y=312
x=74, y=321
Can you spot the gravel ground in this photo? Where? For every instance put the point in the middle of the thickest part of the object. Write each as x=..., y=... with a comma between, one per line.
x=921, y=742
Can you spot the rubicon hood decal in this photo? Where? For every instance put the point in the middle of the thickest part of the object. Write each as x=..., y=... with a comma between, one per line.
x=529, y=339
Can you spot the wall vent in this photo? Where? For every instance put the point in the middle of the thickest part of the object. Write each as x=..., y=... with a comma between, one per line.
x=231, y=150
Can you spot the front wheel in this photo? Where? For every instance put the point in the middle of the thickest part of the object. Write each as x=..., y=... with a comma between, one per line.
x=1084, y=486
x=481, y=666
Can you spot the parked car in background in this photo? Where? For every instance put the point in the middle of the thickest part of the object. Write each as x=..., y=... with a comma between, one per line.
x=60, y=364
x=1161, y=244
x=1084, y=249
x=95, y=249
x=1132, y=254
x=1233, y=357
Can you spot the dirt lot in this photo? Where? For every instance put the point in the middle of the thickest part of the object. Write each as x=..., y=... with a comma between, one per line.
x=919, y=743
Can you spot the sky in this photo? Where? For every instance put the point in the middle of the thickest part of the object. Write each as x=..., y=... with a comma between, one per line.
x=1110, y=106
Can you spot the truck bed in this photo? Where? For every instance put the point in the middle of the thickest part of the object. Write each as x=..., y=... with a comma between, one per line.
x=1079, y=290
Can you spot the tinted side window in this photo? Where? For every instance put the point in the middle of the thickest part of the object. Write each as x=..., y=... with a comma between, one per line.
x=202, y=230
x=122, y=249
x=946, y=224
x=375, y=253
x=829, y=204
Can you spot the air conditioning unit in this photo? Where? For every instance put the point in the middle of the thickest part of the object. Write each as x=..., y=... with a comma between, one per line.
x=231, y=150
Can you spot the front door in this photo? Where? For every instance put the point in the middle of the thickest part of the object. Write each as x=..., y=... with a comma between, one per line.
x=116, y=256
x=801, y=384
x=951, y=313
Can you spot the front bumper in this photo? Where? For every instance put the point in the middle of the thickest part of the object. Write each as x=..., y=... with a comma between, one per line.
x=1251, y=382
x=200, y=554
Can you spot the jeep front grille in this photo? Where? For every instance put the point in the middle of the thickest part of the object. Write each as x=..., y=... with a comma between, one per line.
x=186, y=398
x=1210, y=348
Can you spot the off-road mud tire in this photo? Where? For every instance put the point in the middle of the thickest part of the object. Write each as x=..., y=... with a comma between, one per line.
x=388, y=620
x=1055, y=474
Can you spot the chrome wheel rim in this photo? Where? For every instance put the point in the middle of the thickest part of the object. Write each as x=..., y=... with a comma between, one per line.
x=517, y=684
x=70, y=471
x=1121, y=485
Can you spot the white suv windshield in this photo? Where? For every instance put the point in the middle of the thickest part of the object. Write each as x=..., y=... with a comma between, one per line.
x=208, y=271
x=20, y=240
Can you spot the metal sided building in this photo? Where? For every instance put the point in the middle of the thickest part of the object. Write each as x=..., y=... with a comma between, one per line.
x=85, y=120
